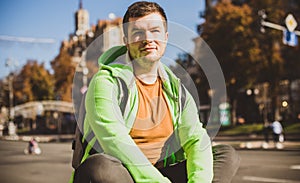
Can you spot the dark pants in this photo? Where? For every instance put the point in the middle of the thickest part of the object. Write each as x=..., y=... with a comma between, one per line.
x=101, y=168
x=276, y=137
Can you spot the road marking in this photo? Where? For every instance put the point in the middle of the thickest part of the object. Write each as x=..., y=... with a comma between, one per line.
x=263, y=179
x=295, y=167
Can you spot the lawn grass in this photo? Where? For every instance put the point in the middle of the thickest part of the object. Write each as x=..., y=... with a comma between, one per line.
x=245, y=129
x=292, y=129
x=248, y=129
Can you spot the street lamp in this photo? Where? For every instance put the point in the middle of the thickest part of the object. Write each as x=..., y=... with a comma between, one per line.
x=284, y=104
x=11, y=96
x=10, y=63
x=254, y=91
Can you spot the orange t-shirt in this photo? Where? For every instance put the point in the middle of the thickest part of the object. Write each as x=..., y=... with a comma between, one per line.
x=153, y=124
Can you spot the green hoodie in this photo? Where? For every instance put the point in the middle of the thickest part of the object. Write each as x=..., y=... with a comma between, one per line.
x=111, y=127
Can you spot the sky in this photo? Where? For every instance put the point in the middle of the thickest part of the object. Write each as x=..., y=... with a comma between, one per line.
x=49, y=22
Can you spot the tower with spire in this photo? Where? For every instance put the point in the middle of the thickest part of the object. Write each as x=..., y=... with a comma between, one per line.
x=81, y=20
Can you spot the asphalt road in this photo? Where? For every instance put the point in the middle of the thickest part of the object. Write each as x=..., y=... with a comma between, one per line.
x=276, y=166
x=54, y=164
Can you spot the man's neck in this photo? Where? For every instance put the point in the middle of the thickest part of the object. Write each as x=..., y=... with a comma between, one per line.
x=147, y=74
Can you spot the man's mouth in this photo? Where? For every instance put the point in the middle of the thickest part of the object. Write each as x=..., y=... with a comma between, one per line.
x=148, y=48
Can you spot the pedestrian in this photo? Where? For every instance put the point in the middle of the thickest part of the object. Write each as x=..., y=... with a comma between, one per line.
x=266, y=131
x=277, y=132
x=157, y=137
x=33, y=147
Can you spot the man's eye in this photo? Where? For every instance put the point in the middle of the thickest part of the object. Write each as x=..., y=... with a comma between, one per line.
x=155, y=30
x=137, y=33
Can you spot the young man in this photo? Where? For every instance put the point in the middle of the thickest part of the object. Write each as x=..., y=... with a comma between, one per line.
x=157, y=136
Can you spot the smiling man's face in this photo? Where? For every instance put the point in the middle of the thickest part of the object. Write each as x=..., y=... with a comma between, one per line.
x=147, y=38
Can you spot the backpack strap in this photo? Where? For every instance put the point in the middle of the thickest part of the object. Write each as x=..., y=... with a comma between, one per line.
x=77, y=146
x=183, y=96
x=123, y=94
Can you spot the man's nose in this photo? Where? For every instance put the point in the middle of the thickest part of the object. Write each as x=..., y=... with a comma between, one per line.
x=148, y=36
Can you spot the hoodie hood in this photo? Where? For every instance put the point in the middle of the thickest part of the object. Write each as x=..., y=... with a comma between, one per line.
x=111, y=55
x=114, y=60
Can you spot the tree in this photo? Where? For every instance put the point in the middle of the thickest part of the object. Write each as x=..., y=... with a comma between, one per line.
x=34, y=82
x=64, y=70
x=187, y=62
x=248, y=56
x=229, y=34
x=279, y=61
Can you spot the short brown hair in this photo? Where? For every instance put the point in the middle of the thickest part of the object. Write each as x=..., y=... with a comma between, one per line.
x=140, y=9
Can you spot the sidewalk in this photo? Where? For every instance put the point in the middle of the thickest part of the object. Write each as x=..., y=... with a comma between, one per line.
x=253, y=137
x=255, y=145
x=40, y=138
x=292, y=142
x=238, y=142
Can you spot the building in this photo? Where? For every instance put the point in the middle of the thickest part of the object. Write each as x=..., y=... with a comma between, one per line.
x=81, y=21
x=107, y=33
x=86, y=44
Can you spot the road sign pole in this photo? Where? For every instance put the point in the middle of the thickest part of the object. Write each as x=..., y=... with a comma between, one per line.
x=289, y=32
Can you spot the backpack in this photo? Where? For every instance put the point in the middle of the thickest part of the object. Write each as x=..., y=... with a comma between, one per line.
x=78, y=145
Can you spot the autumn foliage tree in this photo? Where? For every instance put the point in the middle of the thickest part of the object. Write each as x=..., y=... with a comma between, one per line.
x=248, y=56
x=229, y=34
x=33, y=83
x=279, y=62
x=64, y=70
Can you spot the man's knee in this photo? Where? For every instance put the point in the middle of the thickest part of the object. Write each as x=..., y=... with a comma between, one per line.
x=226, y=163
x=102, y=168
x=226, y=153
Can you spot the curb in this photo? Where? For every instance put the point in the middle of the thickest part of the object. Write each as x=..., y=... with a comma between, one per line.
x=38, y=138
x=240, y=144
x=261, y=145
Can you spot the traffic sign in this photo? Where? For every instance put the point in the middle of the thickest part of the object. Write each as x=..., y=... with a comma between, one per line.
x=290, y=22
x=290, y=38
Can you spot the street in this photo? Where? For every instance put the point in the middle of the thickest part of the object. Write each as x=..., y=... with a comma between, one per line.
x=268, y=166
x=54, y=164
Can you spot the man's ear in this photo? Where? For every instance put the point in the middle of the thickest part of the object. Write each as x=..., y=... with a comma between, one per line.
x=167, y=36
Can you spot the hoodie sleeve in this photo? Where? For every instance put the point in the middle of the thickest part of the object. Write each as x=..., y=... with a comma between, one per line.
x=105, y=118
x=196, y=144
